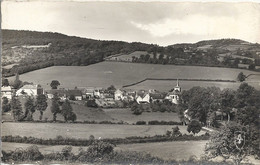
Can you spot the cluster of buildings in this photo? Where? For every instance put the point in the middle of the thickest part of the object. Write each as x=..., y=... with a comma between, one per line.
x=102, y=95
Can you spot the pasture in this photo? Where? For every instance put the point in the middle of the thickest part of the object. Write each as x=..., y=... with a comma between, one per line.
x=83, y=131
x=119, y=74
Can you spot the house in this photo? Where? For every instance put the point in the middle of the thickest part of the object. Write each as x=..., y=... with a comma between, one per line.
x=76, y=93
x=157, y=97
x=142, y=97
x=119, y=95
x=62, y=93
x=89, y=92
x=97, y=92
x=6, y=91
x=30, y=90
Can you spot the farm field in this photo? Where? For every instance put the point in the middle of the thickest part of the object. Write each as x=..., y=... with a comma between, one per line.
x=119, y=74
x=127, y=116
x=83, y=131
x=177, y=150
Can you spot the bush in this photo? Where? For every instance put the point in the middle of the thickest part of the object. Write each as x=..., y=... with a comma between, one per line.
x=194, y=127
x=156, y=122
x=141, y=123
x=91, y=103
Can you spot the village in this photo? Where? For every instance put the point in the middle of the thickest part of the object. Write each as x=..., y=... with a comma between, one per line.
x=104, y=98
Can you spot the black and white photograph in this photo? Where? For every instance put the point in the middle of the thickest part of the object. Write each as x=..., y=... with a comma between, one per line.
x=123, y=82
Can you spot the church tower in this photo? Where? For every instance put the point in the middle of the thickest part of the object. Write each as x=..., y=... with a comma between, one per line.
x=177, y=87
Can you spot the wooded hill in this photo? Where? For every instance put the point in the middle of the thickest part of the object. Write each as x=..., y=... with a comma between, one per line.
x=24, y=51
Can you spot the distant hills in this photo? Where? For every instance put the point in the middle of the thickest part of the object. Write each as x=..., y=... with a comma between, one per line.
x=24, y=51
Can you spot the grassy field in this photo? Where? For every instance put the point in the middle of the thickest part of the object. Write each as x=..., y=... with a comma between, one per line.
x=83, y=131
x=178, y=150
x=127, y=116
x=105, y=74
x=95, y=114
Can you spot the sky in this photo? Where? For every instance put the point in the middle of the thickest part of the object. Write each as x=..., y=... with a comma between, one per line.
x=163, y=23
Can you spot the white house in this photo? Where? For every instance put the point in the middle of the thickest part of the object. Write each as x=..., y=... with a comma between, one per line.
x=30, y=90
x=6, y=91
x=119, y=95
x=142, y=97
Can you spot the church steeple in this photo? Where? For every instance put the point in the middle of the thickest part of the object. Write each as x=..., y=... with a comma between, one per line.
x=177, y=83
x=177, y=87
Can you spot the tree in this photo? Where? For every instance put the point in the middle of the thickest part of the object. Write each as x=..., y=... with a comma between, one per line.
x=54, y=84
x=16, y=109
x=5, y=82
x=246, y=95
x=67, y=113
x=5, y=105
x=251, y=67
x=137, y=109
x=111, y=89
x=227, y=101
x=241, y=77
x=194, y=127
x=17, y=82
x=55, y=108
x=41, y=104
x=222, y=143
x=29, y=108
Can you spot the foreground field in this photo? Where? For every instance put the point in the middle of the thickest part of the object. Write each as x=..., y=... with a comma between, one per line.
x=95, y=114
x=105, y=74
x=83, y=131
x=178, y=150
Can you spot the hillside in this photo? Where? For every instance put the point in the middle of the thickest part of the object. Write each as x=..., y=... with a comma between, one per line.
x=25, y=51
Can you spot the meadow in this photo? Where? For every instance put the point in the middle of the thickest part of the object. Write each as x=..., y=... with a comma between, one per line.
x=177, y=150
x=119, y=74
x=83, y=131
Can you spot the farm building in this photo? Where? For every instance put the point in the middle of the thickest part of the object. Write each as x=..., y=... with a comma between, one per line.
x=75, y=93
x=30, y=90
x=142, y=97
x=157, y=97
x=62, y=94
x=6, y=91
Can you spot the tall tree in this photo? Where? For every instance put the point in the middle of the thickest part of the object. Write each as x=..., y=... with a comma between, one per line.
x=29, y=108
x=66, y=110
x=227, y=101
x=16, y=109
x=41, y=104
x=5, y=82
x=5, y=105
x=17, y=82
x=54, y=84
x=55, y=108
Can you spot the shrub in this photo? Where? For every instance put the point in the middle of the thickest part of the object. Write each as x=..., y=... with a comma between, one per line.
x=141, y=123
x=194, y=127
x=91, y=103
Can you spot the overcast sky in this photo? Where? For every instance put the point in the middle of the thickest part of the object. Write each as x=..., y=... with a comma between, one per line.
x=162, y=23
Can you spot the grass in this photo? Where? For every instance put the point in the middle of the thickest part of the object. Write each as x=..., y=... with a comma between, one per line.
x=105, y=74
x=95, y=114
x=83, y=131
x=177, y=150
x=127, y=116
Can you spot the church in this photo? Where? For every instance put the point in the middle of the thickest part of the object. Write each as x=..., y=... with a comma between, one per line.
x=173, y=96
